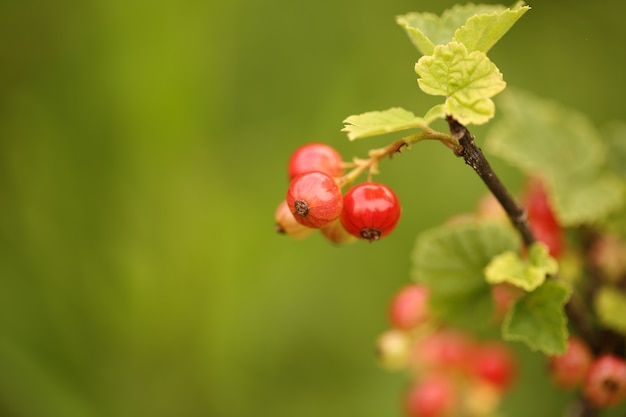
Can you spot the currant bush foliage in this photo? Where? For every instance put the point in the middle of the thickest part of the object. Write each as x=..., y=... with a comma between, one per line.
x=454, y=65
x=380, y=122
x=468, y=80
x=478, y=27
x=458, y=263
x=610, y=305
x=581, y=166
x=544, y=138
x=450, y=261
x=538, y=319
x=527, y=274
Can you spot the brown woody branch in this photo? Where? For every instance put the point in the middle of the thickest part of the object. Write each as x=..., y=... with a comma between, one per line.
x=475, y=158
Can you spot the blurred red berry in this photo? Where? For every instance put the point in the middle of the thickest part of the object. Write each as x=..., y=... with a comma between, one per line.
x=504, y=295
x=443, y=350
x=493, y=363
x=543, y=222
x=605, y=384
x=432, y=396
x=409, y=307
x=569, y=370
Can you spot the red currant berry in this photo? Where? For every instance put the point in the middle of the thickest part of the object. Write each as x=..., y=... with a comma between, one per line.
x=569, y=370
x=608, y=254
x=543, y=222
x=370, y=211
x=315, y=199
x=605, y=384
x=409, y=307
x=315, y=157
x=287, y=224
x=443, y=350
x=494, y=364
x=504, y=295
x=432, y=396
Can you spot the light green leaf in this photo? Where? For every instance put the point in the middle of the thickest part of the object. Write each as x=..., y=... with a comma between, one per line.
x=450, y=261
x=562, y=146
x=426, y=30
x=610, y=306
x=614, y=134
x=538, y=319
x=526, y=274
x=587, y=199
x=380, y=122
x=468, y=80
x=482, y=31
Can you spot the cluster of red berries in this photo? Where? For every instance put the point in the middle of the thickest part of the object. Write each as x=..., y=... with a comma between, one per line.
x=451, y=373
x=602, y=378
x=368, y=210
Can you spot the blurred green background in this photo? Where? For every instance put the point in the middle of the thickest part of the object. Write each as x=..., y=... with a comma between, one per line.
x=143, y=150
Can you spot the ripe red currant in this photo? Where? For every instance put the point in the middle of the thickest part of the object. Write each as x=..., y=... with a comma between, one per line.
x=443, y=350
x=315, y=199
x=569, y=370
x=432, y=396
x=315, y=157
x=370, y=211
x=493, y=363
x=287, y=224
x=504, y=295
x=543, y=222
x=605, y=384
x=409, y=307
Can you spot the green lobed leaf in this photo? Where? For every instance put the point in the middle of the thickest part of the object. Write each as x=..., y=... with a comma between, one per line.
x=538, y=319
x=527, y=274
x=543, y=138
x=450, y=261
x=482, y=31
x=427, y=30
x=610, y=306
x=381, y=122
x=468, y=80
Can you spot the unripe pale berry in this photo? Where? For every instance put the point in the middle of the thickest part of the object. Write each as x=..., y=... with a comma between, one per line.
x=569, y=370
x=409, y=307
x=371, y=211
x=336, y=233
x=605, y=384
x=432, y=396
x=393, y=348
x=287, y=224
x=315, y=157
x=315, y=199
x=480, y=399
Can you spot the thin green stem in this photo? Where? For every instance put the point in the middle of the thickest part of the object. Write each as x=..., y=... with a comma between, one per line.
x=375, y=155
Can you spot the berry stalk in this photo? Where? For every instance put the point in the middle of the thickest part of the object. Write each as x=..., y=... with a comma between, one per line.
x=475, y=158
x=375, y=155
